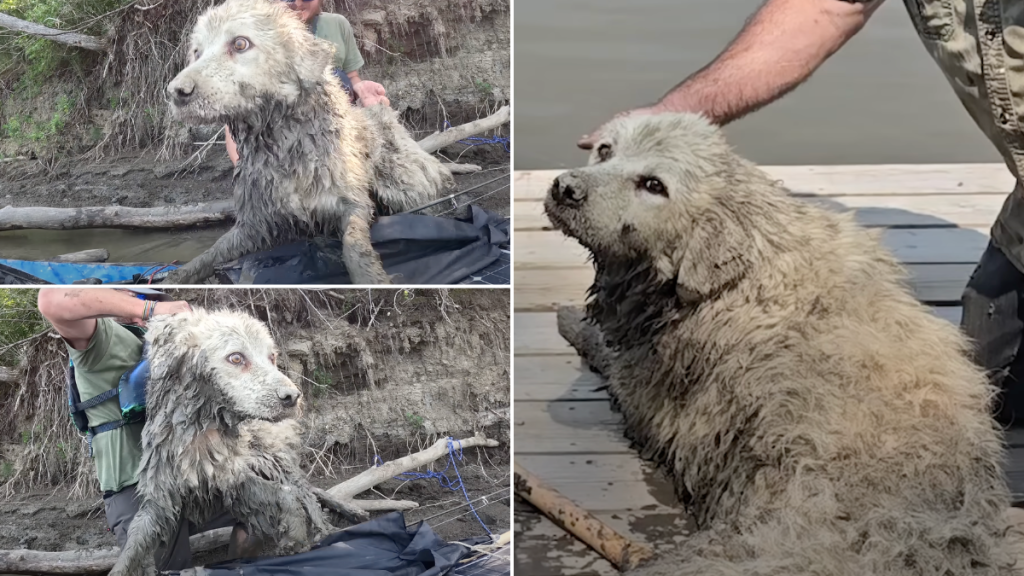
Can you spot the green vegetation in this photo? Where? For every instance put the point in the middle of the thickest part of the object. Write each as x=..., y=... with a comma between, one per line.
x=19, y=320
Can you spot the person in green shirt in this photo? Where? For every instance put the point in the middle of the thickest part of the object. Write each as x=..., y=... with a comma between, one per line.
x=337, y=30
x=91, y=322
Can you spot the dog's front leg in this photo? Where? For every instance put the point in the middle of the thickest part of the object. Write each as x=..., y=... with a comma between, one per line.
x=240, y=240
x=586, y=338
x=361, y=260
x=150, y=525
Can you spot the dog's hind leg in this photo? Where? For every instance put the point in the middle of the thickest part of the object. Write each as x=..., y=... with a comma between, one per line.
x=361, y=260
x=239, y=241
x=150, y=525
x=585, y=337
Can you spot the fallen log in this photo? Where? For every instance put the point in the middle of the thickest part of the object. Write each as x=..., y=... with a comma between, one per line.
x=435, y=142
x=12, y=218
x=370, y=478
x=94, y=255
x=69, y=38
x=98, y=561
x=624, y=553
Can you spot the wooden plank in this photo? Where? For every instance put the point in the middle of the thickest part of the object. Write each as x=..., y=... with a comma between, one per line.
x=846, y=180
x=536, y=333
x=544, y=290
x=537, y=250
x=568, y=428
x=554, y=379
x=920, y=211
x=543, y=549
x=603, y=482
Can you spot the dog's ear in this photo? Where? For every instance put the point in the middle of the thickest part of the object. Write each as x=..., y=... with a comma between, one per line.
x=715, y=257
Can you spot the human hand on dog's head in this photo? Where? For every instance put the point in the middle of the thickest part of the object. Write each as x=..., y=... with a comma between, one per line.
x=162, y=308
x=587, y=141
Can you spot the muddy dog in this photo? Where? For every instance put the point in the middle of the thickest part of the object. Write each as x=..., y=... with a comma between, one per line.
x=309, y=160
x=220, y=431
x=814, y=417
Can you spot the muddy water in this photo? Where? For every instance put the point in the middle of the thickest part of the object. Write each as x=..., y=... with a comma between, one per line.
x=881, y=99
x=123, y=245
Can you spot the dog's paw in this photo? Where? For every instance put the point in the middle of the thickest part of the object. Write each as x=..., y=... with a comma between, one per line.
x=571, y=320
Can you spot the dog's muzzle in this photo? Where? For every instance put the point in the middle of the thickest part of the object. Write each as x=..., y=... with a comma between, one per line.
x=181, y=91
x=567, y=190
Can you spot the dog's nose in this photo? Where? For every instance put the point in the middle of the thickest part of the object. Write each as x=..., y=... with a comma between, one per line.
x=182, y=91
x=289, y=396
x=566, y=190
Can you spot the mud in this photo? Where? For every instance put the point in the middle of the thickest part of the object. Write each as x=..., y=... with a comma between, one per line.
x=54, y=521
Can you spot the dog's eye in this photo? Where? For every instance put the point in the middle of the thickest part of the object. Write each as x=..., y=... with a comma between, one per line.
x=236, y=359
x=604, y=152
x=654, y=186
x=240, y=44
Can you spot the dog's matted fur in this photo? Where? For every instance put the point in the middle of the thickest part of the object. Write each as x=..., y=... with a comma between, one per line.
x=221, y=431
x=309, y=161
x=813, y=415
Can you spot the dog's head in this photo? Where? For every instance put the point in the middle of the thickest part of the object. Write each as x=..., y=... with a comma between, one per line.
x=226, y=359
x=243, y=53
x=653, y=191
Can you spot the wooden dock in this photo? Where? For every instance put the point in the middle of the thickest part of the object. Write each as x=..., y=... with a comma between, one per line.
x=936, y=219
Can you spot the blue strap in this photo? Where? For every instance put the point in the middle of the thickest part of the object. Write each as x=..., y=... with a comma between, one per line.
x=86, y=404
x=114, y=425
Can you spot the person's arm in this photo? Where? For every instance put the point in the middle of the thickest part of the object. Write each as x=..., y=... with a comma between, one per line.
x=781, y=45
x=230, y=144
x=73, y=311
x=368, y=92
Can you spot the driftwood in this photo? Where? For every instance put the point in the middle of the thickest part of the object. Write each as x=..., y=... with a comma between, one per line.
x=100, y=561
x=624, y=553
x=69, y=38
x=94, y=255
x=439, y=140
x=462, y=168
x=12, y=218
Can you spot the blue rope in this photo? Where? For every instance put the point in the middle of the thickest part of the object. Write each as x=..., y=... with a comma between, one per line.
x=441, y=477
x=477, y=141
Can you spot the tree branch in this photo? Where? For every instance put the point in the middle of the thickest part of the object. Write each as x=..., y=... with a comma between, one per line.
x=12, y=218
x=435, y=142
x=69, y=38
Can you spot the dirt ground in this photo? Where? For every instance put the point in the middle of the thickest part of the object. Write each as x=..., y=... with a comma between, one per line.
x=51, y=521
x=142, y=181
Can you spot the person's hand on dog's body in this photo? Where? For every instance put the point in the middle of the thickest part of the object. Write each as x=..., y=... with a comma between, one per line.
x=336, y=29
x=779, y=48
x=92, y=323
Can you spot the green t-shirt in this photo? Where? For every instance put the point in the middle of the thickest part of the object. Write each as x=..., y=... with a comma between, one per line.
x=111, y=352
x=336, y=29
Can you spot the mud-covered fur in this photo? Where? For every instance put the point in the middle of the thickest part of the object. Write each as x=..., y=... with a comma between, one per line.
x=221, y=431
x=812, y=414
x=309, y=160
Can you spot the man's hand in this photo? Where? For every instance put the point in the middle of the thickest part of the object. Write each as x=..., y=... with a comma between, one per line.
x=370, y=93
x=588, y=140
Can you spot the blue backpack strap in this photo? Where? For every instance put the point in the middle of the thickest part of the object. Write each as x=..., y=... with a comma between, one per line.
x=95, y=400
x=115, y=425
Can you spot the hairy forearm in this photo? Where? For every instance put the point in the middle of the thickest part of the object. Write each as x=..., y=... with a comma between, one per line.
x=778, y=49
x=67, y=305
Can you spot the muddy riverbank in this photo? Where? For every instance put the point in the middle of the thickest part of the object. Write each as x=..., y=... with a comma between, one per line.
x=143, y=181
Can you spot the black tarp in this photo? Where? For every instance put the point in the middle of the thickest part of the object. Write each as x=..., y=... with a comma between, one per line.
x=419, y=249
x=383, y=546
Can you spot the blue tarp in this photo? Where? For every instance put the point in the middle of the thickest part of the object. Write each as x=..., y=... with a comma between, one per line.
x=382, y=546
x=68, y=272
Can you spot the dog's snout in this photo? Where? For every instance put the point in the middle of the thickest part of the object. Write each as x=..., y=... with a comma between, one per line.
x=182, y=90
x=567, y=190
x=289, y=396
